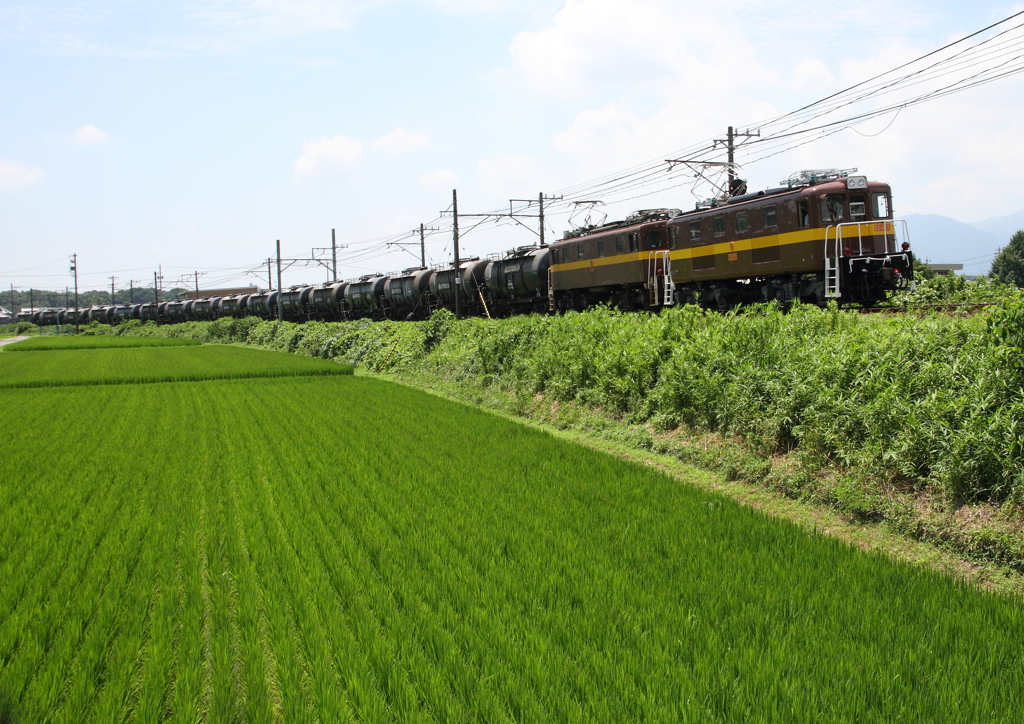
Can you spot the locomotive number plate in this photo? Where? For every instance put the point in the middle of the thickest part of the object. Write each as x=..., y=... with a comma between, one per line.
x=734, y=257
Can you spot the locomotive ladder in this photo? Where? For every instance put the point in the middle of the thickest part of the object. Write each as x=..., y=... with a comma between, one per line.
x=551, y=291
x=483, y=301
x=665, y=296
x=834, y=245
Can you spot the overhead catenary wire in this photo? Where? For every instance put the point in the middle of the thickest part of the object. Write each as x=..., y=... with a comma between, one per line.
x=959, y=68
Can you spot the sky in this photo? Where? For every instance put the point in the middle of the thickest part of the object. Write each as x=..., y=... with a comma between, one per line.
x=191, y=136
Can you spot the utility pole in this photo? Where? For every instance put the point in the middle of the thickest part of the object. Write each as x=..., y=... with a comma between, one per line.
x=156, y=297
x=31, y=302
x=732, y=150
x=423, y=249
x=456, y=277
x=541, y=198
x=112, y=301
x=270, y=278
x=74, y=270
x=730, y=146
x=280, y=307
x=334, y=258
x=540, y=206
x=131, y=291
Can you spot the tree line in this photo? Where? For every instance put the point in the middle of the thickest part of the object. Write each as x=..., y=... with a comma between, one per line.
x=1008, y=266
x=21, y=299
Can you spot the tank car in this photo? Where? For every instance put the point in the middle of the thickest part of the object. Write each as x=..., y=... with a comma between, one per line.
x=518, y=282
x=176, y=311
x=205, y=308
x=294, y=303
x=263, y=305
x=149, y=312
x=468, y=283
x=405, y=293
x=323, y=302
x=363, y=297
x=103, y=314
x=234, y=305
x=121, y=313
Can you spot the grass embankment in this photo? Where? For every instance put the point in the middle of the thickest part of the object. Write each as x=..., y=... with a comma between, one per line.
x=53, y=342
x=136, y=365
x=394, y=556
x=917, y=420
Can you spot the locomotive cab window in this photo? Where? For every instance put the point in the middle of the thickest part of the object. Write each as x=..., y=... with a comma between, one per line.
x=858, y=209
x=618, y=244
x=600, y=247
x=880, y=206
x=832, y=208
x=634, y=242
x=694, y=231
x=654, y=239
x=741, y=221
x=672, y=234
x=579, y=251
x=803, y=213
x=771, y=217
x=718, y=223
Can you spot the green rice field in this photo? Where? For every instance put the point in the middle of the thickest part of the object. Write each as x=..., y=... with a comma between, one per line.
x=155, y=364
x=52, y=342
x=339, y=548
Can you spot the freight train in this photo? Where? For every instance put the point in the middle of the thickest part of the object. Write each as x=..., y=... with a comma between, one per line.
x=825, y=235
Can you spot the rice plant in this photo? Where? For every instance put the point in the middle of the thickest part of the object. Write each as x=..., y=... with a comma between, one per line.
x=134, y=365
x=33, y=344
x=344, y=549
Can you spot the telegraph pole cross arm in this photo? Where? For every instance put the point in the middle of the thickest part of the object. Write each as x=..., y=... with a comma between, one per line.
x=541, y=198
x=333, y=248
x=422, y=243
x=730, y=144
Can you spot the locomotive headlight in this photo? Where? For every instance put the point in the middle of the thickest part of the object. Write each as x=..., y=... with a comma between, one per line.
x=856, y=182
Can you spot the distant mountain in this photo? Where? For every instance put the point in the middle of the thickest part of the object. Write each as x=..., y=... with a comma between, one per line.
x=943, y=240
x=1002, y=227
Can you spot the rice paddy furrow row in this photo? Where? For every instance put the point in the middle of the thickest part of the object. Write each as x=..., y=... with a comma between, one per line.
x=339, y=549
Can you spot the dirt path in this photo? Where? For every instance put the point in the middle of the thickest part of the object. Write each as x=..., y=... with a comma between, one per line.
x=11, y=340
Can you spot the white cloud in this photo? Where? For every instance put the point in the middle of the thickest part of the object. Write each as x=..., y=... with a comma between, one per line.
x=90, y=136
x=15, y=176
x=328, y=155
x=402, y=141
x=441, y=179
x=659, y=44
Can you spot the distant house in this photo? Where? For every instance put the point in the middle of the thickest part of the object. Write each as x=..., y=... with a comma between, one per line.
x=945, y=269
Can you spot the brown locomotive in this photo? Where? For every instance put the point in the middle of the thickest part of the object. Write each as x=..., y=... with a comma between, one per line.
x=825, y=235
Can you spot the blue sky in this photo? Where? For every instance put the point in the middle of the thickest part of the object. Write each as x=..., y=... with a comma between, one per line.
x=193, y=135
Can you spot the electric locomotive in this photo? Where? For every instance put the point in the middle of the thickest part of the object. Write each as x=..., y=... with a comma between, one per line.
x=824, y=235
